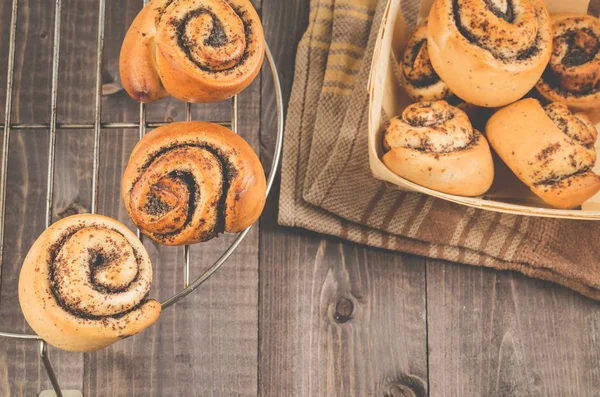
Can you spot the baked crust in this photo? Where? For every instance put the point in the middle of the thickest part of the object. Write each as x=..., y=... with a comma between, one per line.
x=573, y=73
x=503, y=56
x=188, y=181
x=434, y=144
x=196, y=51
x=419, y=79
x=550, y=149
x=84, y=284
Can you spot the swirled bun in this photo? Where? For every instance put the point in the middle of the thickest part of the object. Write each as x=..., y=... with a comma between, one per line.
x=434, y=145
x=84, y=284
x=550, y=149
x=194, y=50
x=573, y=74
x=188, y=181
x=489, y=53
x=419, y=79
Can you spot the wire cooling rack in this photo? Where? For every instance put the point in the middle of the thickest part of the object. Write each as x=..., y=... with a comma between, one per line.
x=142, y=125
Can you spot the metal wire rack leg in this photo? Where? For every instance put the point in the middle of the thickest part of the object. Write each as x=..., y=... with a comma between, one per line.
x=49, y=369
x=52, y=376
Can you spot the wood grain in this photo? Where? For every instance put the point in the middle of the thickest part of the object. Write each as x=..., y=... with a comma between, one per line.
x=502, y=334
x=339, y=320
x=319, y=317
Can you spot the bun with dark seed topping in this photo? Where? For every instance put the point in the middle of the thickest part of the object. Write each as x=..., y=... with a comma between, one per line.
x=186, y=182
x=573, y=74
x=549, y=148
x=196, y=51
x=419, y=79
x=489, y=53
x=435, y=145
x=84, y=284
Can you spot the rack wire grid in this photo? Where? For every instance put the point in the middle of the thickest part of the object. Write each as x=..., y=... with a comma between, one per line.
x=142, y=125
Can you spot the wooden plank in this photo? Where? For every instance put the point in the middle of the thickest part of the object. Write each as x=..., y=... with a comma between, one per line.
x=206, y=344
x=336, y=319
x=503, y=334
x=25, y=213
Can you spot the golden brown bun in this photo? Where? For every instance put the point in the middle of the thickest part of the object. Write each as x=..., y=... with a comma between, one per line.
x=550, y=149
x=434, y=145
x=84, y=284
x=419, y=79
x=484, y=59
x=196, y=51
x=186, y=182
x=573, y=74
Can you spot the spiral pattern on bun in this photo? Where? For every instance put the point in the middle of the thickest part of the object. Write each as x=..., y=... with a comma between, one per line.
x=489, y=53
x=187, y=182
x=419, y=79
x=84, y=284
x=194, y=50
x=434, y=145
x=573, y=74
x=549, y=148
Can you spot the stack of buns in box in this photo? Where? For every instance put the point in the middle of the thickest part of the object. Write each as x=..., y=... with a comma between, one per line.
x=539, y=74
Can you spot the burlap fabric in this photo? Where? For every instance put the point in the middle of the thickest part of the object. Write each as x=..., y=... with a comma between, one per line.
x=327, y=185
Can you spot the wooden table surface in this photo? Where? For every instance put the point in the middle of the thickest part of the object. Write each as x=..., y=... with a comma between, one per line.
x=292, y=313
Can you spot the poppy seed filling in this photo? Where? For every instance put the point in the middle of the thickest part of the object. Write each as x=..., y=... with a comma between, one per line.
x=217, y=37
x=509, y=17
x=423, y=80
x=229, y=173
x=97, y=261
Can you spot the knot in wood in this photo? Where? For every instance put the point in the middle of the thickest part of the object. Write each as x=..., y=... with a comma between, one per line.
x=400, y=391
x=343, y=310
x=72, y=209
